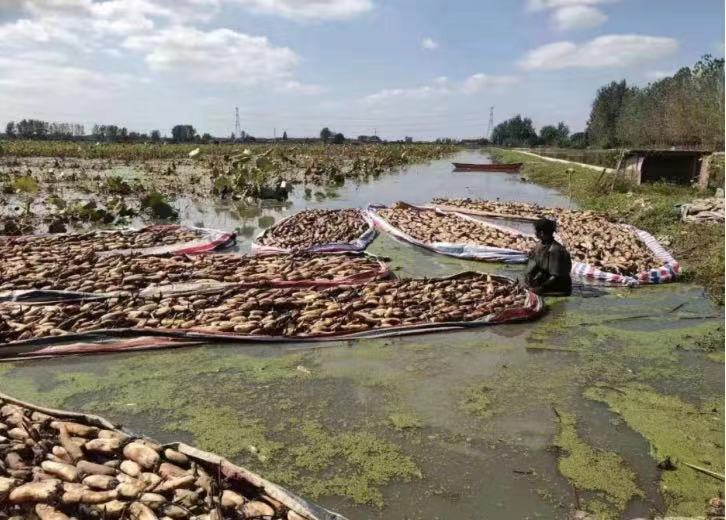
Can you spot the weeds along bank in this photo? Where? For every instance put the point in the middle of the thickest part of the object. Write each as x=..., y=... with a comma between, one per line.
x=610, y=158
x=652, y=207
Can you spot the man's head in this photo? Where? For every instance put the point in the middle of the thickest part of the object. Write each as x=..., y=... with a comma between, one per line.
x=545, y=229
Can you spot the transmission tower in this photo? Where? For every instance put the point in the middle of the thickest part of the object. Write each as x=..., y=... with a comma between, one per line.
x=237, y=126
x=490, y=126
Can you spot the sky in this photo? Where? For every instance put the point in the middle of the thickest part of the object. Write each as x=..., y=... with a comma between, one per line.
x=419, y=68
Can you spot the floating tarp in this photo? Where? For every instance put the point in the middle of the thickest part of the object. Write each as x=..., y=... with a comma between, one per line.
x=341, y=245
x=150, y=240
x=209, y=240
x=459, y=250
x=668, y=272
x=663, y=268
x=495, y=309
x=206, y=473
x=150, y=276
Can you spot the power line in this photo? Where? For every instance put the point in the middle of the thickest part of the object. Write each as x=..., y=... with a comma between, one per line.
x=237, y=126
x=490, y=126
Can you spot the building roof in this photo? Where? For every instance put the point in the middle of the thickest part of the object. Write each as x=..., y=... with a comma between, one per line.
x=666, y=152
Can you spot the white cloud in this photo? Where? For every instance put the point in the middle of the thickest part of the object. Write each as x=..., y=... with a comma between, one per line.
x=615, y=50
x=32, y=73
x=541, y=5
x=217, y=56
x=309, y=10
x=115, y=9
x=154, y=28
x=659, y=74
x=422, y=92
x=578, y=17
x=429, y=43
x=572, y=14
x=93, y=20
x=478, y=82
x=440, y=87
x=295, y=87
x=23, y=32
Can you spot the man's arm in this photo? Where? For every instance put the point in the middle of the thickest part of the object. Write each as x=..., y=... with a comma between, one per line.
x=533, y=270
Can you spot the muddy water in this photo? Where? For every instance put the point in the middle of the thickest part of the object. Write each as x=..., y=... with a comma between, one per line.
x=442, y=426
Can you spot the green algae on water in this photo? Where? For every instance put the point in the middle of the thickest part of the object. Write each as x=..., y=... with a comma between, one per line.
x=680, y=431
x=476, y=400
x=223, y=431
x=599, y=472
x=353, y=464
x=238, y=406
x=404, y=421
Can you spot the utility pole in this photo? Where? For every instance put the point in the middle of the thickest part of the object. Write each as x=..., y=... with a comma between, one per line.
x=237, y=126
x=490, y=126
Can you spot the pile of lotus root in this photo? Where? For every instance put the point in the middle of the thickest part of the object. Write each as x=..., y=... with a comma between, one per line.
x=275, y=311
x=316, y=227
x=57, y=469
x=89, y=272
x=432, y=226
x=99, y=241
x=591, y=238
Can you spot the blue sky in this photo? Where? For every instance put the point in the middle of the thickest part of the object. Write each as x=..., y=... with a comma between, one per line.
x=424, y=68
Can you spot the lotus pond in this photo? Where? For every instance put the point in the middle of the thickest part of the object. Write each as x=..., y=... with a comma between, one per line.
x=535, y=420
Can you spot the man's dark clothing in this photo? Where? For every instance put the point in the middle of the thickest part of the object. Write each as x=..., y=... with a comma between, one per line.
x=548, y=269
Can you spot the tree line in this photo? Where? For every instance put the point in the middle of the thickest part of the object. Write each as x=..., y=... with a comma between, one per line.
x=38, y=129
x=686, y=110
x=519, y=131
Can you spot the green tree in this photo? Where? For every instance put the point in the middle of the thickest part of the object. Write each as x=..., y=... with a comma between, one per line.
x=10, y=129
x=605, y=112
x=284, y=135
x=549, y=135
x=183, y=133
x=338, y=138
x=516, y=131
x=564, y=133
x=578, y=140
x=325, y=134
x=32, y=129
x=685, y=109
x=155, y=136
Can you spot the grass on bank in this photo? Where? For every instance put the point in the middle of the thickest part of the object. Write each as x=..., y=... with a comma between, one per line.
x=698, y=247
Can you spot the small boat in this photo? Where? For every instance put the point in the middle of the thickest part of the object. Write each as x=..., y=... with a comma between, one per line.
x=510, y=167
